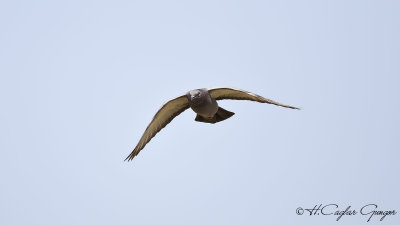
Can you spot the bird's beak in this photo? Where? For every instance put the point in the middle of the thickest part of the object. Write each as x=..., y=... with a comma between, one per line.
x=195, y=96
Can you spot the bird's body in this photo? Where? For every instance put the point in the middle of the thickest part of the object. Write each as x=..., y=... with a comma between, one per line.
x=204, y=103
x=201, y=103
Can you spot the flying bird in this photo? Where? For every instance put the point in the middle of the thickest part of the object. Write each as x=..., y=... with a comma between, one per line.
x=204, y=103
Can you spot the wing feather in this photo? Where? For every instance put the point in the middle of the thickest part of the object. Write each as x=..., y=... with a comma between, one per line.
x=164, y=115
x=237, y=94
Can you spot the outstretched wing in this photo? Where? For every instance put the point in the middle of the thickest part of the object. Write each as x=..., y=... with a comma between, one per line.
x=164, y=115
x=237, y=94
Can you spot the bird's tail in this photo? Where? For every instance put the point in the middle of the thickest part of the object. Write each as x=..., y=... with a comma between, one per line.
x=222, y=114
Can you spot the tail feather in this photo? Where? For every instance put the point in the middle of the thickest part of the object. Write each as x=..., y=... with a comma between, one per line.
x=222, y=114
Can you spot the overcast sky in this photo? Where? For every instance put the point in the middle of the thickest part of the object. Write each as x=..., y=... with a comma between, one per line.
x=81, y=80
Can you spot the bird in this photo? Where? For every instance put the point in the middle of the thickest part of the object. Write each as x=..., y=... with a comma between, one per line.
x=204, y=103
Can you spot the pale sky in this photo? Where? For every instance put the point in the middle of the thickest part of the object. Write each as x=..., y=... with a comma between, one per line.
x=81, y=80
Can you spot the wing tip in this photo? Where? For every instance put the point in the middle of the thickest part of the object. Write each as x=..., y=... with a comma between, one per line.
x=282, y=105
x=127, y=159
x=131, y=156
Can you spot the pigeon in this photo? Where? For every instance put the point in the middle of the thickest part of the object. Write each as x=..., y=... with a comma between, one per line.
x=204, y=103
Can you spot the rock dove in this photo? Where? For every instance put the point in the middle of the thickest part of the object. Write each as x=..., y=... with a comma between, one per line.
x=204, y=103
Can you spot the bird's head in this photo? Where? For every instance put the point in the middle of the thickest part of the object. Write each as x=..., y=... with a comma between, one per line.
x=196, y=96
